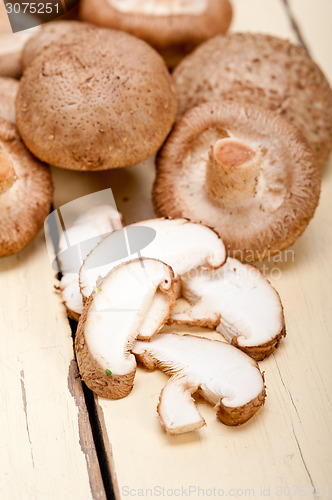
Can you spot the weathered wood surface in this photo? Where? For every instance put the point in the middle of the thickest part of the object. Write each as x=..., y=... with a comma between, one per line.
x=288, y=443
x=46, y=445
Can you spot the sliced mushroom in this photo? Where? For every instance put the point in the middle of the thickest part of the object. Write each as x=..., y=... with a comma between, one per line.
x=25, y=192
x=239, y=302
x=222, y=374
x=173, y=27
x=265, y=70
x=179, y=243
x=95, y=224
x=95, y=100
x=11, y=46
x=134, y=299
x=244, y=171
x=8, y=91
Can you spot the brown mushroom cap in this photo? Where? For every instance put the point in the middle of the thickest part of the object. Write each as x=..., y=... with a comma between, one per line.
x=174, y=28
x=27, y=200
x=264, y=70
x=49, y=34
x=270, y=209
x=8, y=91
x=97, y=99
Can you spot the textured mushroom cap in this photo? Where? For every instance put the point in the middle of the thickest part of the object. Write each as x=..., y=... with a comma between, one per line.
x=11, y=46
x=179, y=243
x=239, y=302
x=133, y=300
x=8, y=91
x=97, y=99
x=95, y=224
x=49, y=34
x=174, y=27
x=26, y=204
x=223, y=375
x=264, y=70
x=288, y=185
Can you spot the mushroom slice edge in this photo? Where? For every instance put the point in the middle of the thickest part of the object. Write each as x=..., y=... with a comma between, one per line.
x=135, y=298
x=222, y=374
x=181, y=244
x=94, y=224
x=239, y=302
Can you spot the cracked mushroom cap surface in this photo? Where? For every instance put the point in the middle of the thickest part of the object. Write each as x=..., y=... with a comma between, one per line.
x=239, y=302
x=95, y=224
x=133, y=301
x=226, y=377
x=8, y=91
x=25, y=192
x=179, y=243
x=174, y=27
x=265, y=70
x=97, y=99
x=244, y=171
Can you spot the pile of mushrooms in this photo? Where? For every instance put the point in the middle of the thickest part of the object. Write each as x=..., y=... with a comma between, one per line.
x=259, y=69
x=126, y=291
x=96, y=99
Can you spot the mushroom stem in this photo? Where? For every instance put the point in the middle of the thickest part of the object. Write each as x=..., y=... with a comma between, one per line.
x=232, y=172
x=7, y=173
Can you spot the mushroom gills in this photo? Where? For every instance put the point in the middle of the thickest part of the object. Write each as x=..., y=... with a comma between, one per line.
x=223, y=375
x=178, y=243
x=94, y=223
x=134, y=299
x=239, y=302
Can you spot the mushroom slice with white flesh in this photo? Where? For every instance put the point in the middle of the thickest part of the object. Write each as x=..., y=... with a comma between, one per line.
x=181, y=244
x=92, y=225
x=222, y=374
x=239, y=302
x=135, y=298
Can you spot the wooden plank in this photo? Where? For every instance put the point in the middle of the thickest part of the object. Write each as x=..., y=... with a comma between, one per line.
x=315, y=20
x=46, y=448
x=287, y=445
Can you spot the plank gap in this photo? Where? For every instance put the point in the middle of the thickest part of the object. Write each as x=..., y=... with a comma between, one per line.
x=96, y=428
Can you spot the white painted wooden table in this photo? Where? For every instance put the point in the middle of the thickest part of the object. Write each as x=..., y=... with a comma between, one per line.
x=48, y=444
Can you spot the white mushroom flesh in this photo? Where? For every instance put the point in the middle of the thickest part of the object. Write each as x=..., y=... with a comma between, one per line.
x=160, y=7
x=221, y=372
x=96, y=222
x=237, y=299
x=180, y=244
x=127, y=300
x=177, y=409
